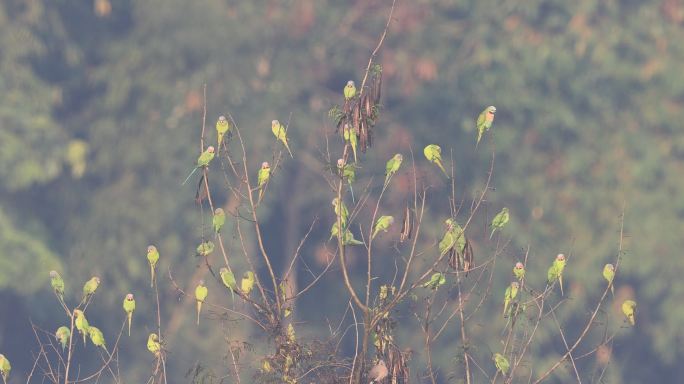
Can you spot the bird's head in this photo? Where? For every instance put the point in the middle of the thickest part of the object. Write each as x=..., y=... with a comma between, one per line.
x=218, y=211
x=265, y=165
x=340, y=163
x=610, y=267
x=275, y=123
x=151, y=248
x=560, y=257
x=519, y=265
x=129, y=297
x=201, y=283
x=222, y=119
x=351, y=83
x=515, y=285
x=210, y=149
x=491, y=109
x=54, y=274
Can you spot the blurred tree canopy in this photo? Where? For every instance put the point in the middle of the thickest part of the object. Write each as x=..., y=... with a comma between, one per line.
x=102, y=109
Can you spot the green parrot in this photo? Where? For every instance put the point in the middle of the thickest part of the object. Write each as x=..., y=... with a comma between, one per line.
x=63, y=334
x=453, y=236
x=501, y=363
x=152, y=258
x=350, y=137
x=205, y=248
x=280, y=134
x=347, y=239
x=382, y=224
x=436, y=280
x=90, y=287
x=81, y=323
x=96, y=337
x=153, y=344
x=222, y=127
x=247, y=283
x=200, y=295
x=629, y=309
x=219, y=219
x=484, y=121
x=434, y=155
x=609, y=275
x=519, y=271
x=57, y=284
x=129, y=308
x=348, y=173
x=393, y=166
x=349, y=90
x=510, y=294
x=500, y=220
x=228, y=279
x=202, y=161
x=5, y=367
x=341, y=210
x=263, y=177
x=555, y=271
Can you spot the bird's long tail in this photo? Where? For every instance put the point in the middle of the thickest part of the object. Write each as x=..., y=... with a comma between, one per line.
x=288, y=148
x=199, y=308
x=151, y=276
x=190, y=175
x=130, y=318
x=439, y=164
x=351, y=191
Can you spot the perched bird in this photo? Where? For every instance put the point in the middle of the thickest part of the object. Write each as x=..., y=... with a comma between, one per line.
x=382, y=224
x=96, y=337
x=205, y=248
x=436, y=280
x=5, y=367
x=392, y=166
x=347, y=238
x=453, y=236
x=90, y=287
x=129, y=308
x=62, y=335
x=609, y=275
x=484, y=121
x=57, y=284
x=501, y=363
x=378, y=372
x=200, y=295
x=350, y=137
x=247, y=283
x=202, y=161
x=341, y=211
x=348, y=173
x=228, y=279
x=280, y=134
x=263, y=177
x=629, y=309
x=222, y=127
x=218, y=220
x=152, y=258
x=500, y=220
x=153, y=344
x=81, y=324
x=349, y=90
x=434, y=155
x=555, y=271
x=519, y=271
x=510, y=294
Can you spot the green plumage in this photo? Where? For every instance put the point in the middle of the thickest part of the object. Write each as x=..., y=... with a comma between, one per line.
x=62, y=335
x=57, y=284
x=280, y=134
x=90, y=287
x=153, y=344
x=96, y=337
x=222, y=128
x=555, y=272
x=484, y=121
x=247, y=283
x=262, y=177
x=201, y=293
x=453, y=238
x=519, y=271
x=341, y=211
x=629, y=309
x=433, y=153
x=500, y=220
x=5, y=367
x=350, y=137
x=609, y=275
x=218, y=220
x=152, y=259
x=349, y=90
x=202, y=161
x=382, y=224
x=510, y=294
x=129, y=308
x=501, y=363
x=392, y=166
x=228, y=279
x=81, y=324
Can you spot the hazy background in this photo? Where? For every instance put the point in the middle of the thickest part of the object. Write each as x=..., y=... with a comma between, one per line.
x=101, y=111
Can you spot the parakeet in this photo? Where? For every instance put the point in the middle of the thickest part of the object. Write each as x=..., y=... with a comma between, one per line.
x=382, y=224
x=153, y=344
x=453, y=236
x=436, y=280
x=219, y=219
x=350, y=137
x=90, y=287
x=228, y=279
x=629, y=309
x=347, y=238
x=341, y=210
x=378, y=372
x=5, y=367
x=393, y=166
x=510, y=294
x=200, y=295
x=129, y=308
x=57, y=284
x=484, y=121
x=555, y=272
x=349, y=90
x=152, y=258
x=500, y=220
x=247, y=283
x=519, y=271
x=501, y=363
x=609, y=275
x=348, y=173
x=202, y=161
x=96, y=337
x=81, y=324
x=263, y=177
x=205, y=248
x=434, y=155
x=63, y=334
x=280, y=134
x=222, y=127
